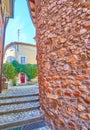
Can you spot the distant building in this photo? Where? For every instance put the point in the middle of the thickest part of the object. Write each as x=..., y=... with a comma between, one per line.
x=23, y=53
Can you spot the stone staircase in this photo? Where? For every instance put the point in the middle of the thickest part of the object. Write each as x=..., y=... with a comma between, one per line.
x=21, y=112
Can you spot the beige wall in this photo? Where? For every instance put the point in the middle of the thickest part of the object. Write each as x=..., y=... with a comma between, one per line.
x=27, y=51
x=9, y=52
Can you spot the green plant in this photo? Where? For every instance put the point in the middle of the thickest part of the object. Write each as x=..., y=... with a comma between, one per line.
x=16, y=65
x=30, y=69
x=9, y=71
x=14, y=82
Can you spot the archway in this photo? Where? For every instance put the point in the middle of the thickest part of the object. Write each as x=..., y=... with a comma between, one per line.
x=6, y=12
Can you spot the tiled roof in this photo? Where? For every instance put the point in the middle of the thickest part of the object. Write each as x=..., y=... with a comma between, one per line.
x=18, y=43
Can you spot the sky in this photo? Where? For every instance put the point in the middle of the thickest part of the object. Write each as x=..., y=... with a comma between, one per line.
x=22, y=21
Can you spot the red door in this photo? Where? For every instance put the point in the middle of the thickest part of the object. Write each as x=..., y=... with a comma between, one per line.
x=22, y=78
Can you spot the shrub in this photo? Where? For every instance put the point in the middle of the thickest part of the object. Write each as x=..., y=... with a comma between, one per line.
x=14, y=82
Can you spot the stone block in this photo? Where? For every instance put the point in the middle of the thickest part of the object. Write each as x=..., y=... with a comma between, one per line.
x=72, y=125
x=81, y=108
x=85, y=116
x=72, y=59
x=68, y=93
x=49, y=90
x=59, y=92
x=76, y=93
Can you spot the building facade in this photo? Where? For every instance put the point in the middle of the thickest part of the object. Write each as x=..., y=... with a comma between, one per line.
x=23, y=53
x=6, y=12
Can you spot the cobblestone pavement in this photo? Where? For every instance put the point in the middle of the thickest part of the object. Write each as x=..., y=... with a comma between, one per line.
x=21, y=90
x=21, y=116
x=38, y=125
x=14, y=100
x=4, y=108
x=19, y=106
x=42, y=125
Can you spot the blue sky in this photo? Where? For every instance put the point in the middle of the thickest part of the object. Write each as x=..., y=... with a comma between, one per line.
x=22, y=20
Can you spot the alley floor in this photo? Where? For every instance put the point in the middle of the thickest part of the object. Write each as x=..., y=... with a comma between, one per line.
x=20, y=109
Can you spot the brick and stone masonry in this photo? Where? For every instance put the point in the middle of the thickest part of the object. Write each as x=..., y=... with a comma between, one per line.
x=63, y=41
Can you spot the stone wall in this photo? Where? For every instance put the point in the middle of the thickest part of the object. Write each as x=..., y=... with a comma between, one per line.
x=63, y=41
x=2, y=30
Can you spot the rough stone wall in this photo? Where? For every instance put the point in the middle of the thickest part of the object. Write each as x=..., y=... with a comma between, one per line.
x=63, y=40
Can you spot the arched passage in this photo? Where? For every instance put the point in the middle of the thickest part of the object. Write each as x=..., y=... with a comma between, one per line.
x=7, y=12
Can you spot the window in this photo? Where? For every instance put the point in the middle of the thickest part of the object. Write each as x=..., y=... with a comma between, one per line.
x=10, y=59
x=23, y=60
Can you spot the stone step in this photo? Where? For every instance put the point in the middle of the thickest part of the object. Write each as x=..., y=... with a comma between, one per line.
x=18, y=100
x=41, y=125
x=14, y=108
x=20, y=91
x=21, y=118
x=42, y=128
x=16, y=96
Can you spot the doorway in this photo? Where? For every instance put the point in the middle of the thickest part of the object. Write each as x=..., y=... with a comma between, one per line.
x=22, y=78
